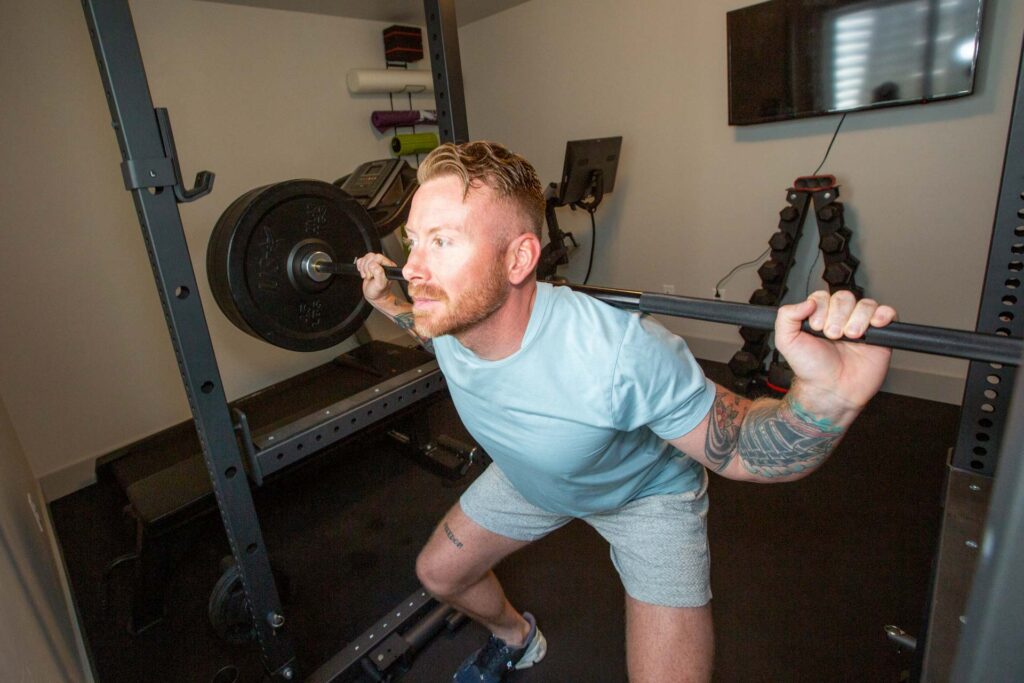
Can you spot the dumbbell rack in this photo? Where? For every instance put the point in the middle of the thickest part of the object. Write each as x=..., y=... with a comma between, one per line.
x=152, y=175
x=820, y=191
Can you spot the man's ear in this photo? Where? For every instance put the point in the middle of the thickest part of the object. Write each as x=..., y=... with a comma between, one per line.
x=521, y=257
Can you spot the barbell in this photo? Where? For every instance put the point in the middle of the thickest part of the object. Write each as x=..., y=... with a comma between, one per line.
x=281, y=267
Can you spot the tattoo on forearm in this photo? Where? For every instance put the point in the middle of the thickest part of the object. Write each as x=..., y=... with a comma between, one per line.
x=405, y=321
x=723, y=429
x=451, y=536
x=778, y=439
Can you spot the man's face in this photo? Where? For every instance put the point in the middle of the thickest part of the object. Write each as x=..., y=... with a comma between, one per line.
x=456, y=267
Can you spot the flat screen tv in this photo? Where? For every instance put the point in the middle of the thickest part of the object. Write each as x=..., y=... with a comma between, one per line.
x=794, y=58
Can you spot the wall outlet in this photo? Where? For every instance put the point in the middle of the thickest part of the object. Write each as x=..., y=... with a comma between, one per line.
x=668, y=289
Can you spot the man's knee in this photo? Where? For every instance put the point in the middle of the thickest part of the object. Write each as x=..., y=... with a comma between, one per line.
x=438, y=574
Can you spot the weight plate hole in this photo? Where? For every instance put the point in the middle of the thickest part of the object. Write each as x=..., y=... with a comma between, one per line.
x=207, y=387
x=230, y=472
x=182, y=292
x=991, y=394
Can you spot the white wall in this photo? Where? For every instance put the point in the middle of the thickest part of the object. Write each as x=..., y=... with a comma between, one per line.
x=37, y=640
x=695, y=197
x=256, y=96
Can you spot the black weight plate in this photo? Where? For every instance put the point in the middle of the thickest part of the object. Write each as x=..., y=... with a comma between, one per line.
x=251, y=252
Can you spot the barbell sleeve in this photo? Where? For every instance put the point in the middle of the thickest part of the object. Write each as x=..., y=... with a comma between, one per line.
x=939, y=341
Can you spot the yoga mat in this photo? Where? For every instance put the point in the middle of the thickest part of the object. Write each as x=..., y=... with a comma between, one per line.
x=389, y=80
x=382, y=120
x=413, y=143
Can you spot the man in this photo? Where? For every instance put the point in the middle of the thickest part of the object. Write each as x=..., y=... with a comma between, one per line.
x=595, y=413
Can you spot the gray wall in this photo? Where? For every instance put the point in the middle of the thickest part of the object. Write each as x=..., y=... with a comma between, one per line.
x=695, y=197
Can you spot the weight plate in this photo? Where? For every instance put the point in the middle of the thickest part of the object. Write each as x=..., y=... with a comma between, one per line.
x=254, y=258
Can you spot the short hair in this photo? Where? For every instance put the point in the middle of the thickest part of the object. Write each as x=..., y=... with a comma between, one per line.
x=489, y=163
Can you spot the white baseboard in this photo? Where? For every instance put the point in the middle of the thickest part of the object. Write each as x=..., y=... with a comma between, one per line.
x=68, y=479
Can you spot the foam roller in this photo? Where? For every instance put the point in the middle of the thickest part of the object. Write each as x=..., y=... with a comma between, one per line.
x=413, y=143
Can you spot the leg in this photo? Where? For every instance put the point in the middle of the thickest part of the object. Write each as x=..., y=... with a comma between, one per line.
x=668, y=643
x=456, y=566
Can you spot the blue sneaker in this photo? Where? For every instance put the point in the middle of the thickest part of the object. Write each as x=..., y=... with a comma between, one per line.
x=491, y=663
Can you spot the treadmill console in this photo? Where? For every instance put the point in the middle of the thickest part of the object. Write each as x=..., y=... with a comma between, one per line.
x=384, y=188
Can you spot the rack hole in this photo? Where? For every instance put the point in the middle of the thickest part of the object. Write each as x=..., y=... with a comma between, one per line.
x=977, y=464
x=319, y=437
x=980, y=450
x=981, y=436
x=996, y=366
x=1017, y=248
x=280, y=456
x=251, y=548
x=299, y=447
x=1006, y=316
x=1012, y=283
x=336, y=428
x=987, y=408
x=353, y=421
x=230, y=472
x=207, y=387
x=1009, y=300
x=1003, y=332
x=1019, y=230
x=991, y=394
x=985, y=422
x=1016, y=266
x=992, y=379
x=181, y=292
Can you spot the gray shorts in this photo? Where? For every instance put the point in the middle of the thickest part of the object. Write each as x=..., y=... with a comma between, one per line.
x=658, y=544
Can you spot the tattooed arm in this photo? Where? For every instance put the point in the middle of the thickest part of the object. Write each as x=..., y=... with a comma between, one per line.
x=378, y=291
x=765, y=440
x=770, y=440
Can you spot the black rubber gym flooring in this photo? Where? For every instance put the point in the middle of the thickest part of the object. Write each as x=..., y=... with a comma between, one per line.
x=805, y=575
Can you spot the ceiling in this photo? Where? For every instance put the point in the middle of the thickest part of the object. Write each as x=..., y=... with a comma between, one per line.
x=397, y=11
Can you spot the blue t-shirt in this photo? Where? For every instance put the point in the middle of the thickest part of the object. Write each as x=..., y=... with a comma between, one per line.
x=577, y=418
